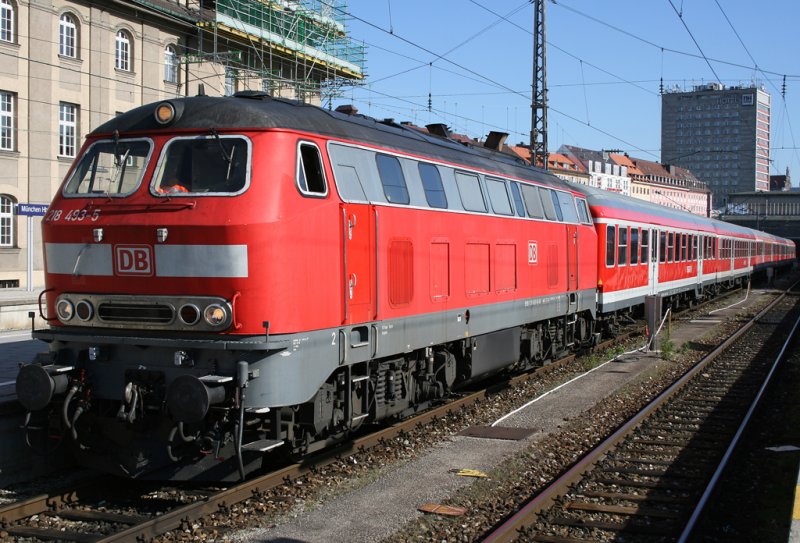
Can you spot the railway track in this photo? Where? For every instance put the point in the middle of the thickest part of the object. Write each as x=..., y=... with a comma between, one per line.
x=651, y=479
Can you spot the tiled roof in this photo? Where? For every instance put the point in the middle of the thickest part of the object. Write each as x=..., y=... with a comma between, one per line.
x=562, y=162
x=625, y=160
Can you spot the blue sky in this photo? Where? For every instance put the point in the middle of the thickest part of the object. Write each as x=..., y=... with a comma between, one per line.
x=605, y=60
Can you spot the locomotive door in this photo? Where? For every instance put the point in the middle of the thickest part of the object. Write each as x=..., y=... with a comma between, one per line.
x=652, y=266
x=358, y=257
x=572, y=257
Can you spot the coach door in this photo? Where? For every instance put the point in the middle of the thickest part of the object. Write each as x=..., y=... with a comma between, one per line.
x=652, y=267
x=358, y=257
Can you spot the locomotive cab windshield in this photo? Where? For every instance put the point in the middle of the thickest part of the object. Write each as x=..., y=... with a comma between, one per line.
x=110, y=168
x=203, y=165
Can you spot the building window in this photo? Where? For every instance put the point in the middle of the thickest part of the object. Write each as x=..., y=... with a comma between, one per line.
x=67, y=129
x=6, y=221
x=230, y=82
x=67, y=37
x=170, y=65
x=7, y=21
x=7, y=142
x=122, y=55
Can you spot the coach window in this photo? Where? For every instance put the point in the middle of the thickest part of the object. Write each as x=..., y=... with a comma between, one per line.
x=671, y=247
x=392, y=179
x=694, y=247
x=622, y=246
x=611, y=244
x=683, y=247
x=645, y=243
x=687, y=242
x=549, y=207
x=662, y=250
x=634, y=246
x=517, y=196
x=432, y=183
x=498, y=196
x=567, y=206
x=469, y=187
x=532, y=201
x=583, y=211
x=310, y=174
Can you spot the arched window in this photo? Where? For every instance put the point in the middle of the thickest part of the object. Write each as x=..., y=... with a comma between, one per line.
x=6, y=221
x=122, y=55
x=7, y=17
x=67, y=36
x=170, y=65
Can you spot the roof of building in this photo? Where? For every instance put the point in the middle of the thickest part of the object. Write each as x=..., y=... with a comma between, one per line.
x=625, y=160
x=557, y=161
x=651, y=169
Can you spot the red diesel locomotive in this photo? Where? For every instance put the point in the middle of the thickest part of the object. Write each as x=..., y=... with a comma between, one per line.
x=227, y=277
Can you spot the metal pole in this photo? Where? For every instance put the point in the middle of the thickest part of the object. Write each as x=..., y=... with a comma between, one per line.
x=29, y=286
x=539, y=88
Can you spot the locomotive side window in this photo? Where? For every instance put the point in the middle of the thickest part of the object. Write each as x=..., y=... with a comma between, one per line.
x=432, y=183
x=634, y=246
x=611, y=244
x=622, y=247
x=392, y=179
x=517, y=196
x=470, y=189
x=310, y=173
x=583, y=211
x=567, y=205
x=547, y=204
x=532, y=201
x=498, y=196
x=211, y=165
x=110, y=168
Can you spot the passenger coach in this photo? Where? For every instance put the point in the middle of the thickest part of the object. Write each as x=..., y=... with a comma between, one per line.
x=647, y=249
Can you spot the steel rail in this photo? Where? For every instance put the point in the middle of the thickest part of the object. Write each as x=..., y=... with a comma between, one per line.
x=526, y=516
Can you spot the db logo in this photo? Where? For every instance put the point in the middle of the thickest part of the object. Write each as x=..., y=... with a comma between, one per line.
x=133, y=260
x=533, y=253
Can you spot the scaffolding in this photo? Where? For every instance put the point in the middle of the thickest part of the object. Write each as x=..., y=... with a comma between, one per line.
x=296, y=48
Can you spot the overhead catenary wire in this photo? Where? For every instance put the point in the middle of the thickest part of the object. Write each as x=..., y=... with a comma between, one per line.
x=691, y=35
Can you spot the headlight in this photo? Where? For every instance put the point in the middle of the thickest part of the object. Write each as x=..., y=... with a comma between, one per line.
x=215, y=315
x=189, y=314
x=84, y=310
x=65, y=310
x=164, y=113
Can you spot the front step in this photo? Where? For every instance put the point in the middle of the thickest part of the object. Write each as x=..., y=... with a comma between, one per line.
x=262, y=445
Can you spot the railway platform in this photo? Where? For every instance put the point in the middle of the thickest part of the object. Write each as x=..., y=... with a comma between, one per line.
x=15, y=304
